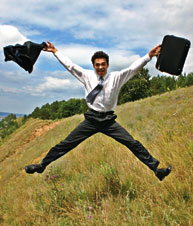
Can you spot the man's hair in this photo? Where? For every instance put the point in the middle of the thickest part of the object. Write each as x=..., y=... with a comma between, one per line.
x=100, y=54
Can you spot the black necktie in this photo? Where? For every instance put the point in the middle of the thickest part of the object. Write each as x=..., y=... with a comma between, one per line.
x=92, y=95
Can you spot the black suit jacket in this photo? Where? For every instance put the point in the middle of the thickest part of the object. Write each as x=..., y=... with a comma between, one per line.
x=24, y=55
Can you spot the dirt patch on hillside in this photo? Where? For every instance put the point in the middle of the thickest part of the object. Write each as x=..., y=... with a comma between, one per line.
x=43, y=129
x=36, y=133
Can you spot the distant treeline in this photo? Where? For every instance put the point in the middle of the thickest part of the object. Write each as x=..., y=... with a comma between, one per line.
x=139, y=87
x=60, y=109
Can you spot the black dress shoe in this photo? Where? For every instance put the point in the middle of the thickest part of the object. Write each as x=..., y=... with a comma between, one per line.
x=163, y=172
x=34, y=168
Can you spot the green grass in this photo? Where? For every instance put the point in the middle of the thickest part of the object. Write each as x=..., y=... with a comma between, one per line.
x=101, y=182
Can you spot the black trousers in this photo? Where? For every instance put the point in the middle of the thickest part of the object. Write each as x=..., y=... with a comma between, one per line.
x=105, y=123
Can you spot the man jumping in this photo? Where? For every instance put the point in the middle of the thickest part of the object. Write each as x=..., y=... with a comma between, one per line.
x=102, y=90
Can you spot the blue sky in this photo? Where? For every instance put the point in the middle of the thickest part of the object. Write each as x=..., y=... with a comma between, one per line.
x=124, y=29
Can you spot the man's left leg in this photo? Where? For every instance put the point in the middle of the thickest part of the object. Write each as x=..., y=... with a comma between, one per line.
x=121, y=135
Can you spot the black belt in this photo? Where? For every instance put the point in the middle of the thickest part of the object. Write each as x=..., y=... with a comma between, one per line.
x=101, y=113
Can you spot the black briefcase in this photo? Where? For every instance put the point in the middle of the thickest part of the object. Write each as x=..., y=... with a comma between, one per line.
x=173, y=54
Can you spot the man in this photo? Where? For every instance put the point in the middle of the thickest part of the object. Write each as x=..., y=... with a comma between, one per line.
x=102, y=91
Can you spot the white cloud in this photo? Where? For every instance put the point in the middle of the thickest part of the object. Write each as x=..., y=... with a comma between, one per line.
x=188, y=66
x=53, y=84
x=120, y=59
x=10, y=35
x=79, y=54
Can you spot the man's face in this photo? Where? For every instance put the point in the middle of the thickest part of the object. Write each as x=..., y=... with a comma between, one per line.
x=100, y=66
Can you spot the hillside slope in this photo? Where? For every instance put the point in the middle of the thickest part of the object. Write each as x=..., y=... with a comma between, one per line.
x=101, y=182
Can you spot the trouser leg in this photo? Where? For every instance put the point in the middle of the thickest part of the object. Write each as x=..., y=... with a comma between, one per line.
x=121, y=135
x=79, y=134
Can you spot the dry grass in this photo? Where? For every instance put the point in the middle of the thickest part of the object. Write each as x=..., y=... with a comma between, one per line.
x=101, y=182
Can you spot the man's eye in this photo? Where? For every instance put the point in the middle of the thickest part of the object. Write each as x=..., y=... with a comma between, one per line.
x=103, y=64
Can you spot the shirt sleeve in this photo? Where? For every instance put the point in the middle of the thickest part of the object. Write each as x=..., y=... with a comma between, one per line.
x=128, y=73
x=74, y=69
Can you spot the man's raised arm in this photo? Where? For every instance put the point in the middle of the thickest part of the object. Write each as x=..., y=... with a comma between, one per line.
x=73, y=68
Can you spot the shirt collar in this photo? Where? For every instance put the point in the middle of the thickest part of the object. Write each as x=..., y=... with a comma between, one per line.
x=104, y=77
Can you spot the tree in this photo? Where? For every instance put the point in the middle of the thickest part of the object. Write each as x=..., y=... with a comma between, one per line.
x=83, y=106
x=181, y=81
x=54, y=110
x=35, y=113
x=189, y=80
x=136, y=88
x=8, y=125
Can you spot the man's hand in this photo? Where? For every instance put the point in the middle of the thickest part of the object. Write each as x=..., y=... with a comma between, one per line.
x=155, y=51
x=50, y=47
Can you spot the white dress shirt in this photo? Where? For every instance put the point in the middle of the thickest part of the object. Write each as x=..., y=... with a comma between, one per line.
x=106, y=100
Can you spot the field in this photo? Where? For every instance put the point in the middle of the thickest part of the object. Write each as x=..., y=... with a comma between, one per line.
x=101, y=182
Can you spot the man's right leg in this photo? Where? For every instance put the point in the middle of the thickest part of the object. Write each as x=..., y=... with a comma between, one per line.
x=79, y=134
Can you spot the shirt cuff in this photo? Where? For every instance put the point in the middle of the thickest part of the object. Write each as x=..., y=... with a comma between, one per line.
x=147, y=58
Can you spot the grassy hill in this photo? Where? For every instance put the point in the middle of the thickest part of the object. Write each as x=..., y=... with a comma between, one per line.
x=101, y=182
